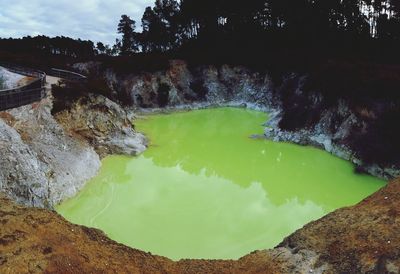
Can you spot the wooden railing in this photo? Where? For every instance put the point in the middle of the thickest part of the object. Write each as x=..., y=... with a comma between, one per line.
x=23, y=95
x=67, y=75
x=35, y=90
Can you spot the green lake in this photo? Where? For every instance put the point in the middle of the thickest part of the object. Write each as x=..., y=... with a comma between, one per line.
x=205, y=189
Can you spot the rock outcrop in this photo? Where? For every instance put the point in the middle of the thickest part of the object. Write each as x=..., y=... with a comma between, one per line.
x=331, y=127
x=297, y=116
x=46, y=160
x=182, y=85
x=103, y=124
x=41, y=165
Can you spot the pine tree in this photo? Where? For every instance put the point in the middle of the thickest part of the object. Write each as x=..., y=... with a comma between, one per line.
x=126, y=27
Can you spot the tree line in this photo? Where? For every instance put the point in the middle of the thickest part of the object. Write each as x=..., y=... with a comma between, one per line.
x=60, y=45
x=247, y=26
x=171, y=24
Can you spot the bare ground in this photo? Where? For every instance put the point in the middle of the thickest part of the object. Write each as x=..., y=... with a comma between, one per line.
x=361, y=239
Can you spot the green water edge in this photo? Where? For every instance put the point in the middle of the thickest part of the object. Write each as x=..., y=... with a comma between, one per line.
x=205, y=190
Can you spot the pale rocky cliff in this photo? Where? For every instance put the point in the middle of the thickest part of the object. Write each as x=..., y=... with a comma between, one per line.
x=46, y=160
x=41, y=165
x=180, y=84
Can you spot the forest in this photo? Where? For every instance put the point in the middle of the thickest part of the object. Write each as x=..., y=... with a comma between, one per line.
x=171, y=25
x=239, y=31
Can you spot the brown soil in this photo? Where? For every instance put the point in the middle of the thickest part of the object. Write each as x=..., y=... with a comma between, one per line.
x=360, y=239
x=26, y=80
x=8, y=118
x=37, y=241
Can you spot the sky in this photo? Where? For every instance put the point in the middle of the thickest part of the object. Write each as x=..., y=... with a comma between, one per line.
x=96, y=20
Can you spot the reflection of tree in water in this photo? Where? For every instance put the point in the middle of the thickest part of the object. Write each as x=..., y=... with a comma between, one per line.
x=214, y=192
x=216, y=143
x=201, y=216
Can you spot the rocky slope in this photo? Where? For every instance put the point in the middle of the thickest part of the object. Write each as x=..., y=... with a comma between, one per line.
x=104, y=125
x=40, y=164
x=359, y=239
x=47, y=160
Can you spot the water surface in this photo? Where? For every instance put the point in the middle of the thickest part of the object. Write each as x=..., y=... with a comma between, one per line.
x=204, y=189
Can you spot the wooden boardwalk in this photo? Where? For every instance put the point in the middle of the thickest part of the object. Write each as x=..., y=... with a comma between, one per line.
x=35, y=90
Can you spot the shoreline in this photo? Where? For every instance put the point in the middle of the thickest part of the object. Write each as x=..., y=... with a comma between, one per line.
x=274, y=133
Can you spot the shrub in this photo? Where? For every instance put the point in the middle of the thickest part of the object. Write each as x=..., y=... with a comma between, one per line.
x=163, y=94
x=65, y=94
x=379, y=142
x=68, y=92
x=199, y=88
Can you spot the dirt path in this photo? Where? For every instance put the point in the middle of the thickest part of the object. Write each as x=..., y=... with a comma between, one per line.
x=51, y=80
